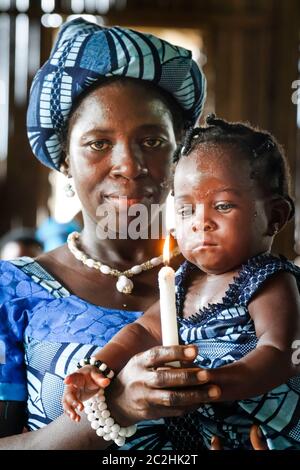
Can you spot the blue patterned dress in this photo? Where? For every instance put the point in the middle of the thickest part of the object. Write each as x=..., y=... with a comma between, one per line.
x=224, y=333
x=44, y=332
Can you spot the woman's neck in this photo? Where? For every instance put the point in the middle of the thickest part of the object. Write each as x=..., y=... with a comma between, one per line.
x=117, y=251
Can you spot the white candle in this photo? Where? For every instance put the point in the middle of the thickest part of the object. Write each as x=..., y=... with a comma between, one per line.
x=166, y=281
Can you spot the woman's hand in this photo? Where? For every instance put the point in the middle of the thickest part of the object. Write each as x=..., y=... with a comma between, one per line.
x=257, y=440
x=81, y=386
x=146, y=389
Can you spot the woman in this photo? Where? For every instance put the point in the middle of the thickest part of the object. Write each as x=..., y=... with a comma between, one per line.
x=108, y=109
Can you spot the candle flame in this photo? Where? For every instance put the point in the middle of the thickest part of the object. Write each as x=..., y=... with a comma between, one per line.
x=166, y=251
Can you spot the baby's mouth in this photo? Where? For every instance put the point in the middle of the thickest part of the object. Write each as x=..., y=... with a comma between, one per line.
x=204, y=245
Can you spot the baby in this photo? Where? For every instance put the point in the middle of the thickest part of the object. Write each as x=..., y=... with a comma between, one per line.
x=235, y=300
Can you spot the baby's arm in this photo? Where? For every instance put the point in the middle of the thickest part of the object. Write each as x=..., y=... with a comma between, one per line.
x=275, y=311
x=136, y=337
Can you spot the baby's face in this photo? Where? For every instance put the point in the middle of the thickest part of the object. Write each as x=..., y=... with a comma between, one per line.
x=221, y=218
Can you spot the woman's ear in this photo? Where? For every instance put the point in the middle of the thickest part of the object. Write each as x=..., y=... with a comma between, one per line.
x=279, y=212
x=65, y=166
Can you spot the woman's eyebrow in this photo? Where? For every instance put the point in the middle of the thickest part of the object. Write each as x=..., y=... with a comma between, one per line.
x=96, y=130
x=143, y=127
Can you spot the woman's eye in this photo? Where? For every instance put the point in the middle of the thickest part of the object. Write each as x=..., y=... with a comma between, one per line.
x=224, y=206
x=153, y=143
x=99, y=145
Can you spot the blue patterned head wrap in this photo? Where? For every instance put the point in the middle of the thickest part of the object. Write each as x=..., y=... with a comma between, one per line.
x=85, y=53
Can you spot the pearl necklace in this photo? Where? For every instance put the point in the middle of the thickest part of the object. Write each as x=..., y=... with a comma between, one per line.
x=124, y=283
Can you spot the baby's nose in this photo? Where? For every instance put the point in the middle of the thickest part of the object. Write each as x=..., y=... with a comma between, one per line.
x=206, y=226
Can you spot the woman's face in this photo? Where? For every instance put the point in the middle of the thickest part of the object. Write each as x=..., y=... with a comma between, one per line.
x=120, y=145
x=221, y=218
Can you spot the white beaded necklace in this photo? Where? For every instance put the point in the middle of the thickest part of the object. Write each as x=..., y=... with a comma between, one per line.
x=124, y=284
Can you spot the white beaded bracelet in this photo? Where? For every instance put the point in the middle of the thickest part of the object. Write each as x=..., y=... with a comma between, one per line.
x=101, y=366
x=104, y=425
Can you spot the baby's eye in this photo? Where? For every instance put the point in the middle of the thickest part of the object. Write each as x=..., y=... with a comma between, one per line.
x=153, y=142
x=185, y=211
x=224, y=206
x=100, y=145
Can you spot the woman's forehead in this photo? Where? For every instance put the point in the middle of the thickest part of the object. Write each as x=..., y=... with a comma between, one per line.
x=85, y=54
x=119, y=102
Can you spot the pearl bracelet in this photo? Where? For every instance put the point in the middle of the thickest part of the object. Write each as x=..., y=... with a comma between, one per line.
x=101, y=366
x=104, y=425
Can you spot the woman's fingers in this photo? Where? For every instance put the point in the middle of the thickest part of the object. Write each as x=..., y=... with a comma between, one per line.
x=166, y=403
x=216, y=443
x=256, y=437
x=184, y=399
x=161, y=355
x=172, y=377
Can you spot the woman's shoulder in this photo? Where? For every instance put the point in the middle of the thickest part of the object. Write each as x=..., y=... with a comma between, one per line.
x=53, y=257
x=24, y=278
x=16, y=292
x=59, y=264
x=11, y=276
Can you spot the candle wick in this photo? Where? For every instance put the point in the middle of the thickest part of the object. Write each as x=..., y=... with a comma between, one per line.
x=166, y=263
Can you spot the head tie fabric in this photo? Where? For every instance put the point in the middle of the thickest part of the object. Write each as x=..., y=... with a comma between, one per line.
x=86, y=53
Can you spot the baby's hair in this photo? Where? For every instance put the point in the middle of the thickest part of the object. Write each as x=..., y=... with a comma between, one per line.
x=268, y=162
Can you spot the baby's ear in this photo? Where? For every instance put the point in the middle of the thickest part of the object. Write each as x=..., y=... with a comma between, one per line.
x=279, y=214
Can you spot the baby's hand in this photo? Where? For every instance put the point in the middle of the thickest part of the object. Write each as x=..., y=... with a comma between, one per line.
x=81, y=386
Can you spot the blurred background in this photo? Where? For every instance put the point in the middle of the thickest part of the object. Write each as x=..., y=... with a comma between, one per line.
x=249, y=50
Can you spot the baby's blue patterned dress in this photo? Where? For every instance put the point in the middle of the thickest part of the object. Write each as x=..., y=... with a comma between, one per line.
x=44, y=332
x=224, y=333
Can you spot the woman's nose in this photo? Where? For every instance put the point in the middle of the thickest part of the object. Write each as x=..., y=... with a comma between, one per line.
x=127, y=163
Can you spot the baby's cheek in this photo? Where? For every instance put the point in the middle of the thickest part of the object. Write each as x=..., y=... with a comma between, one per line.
x=181, y=236
x=188, y=240
x=188, y=229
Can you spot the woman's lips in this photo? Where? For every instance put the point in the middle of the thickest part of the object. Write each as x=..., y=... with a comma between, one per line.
x=124, y=202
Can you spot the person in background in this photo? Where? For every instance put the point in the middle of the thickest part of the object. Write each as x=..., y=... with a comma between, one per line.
x=20, y=242
x=54, y=234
